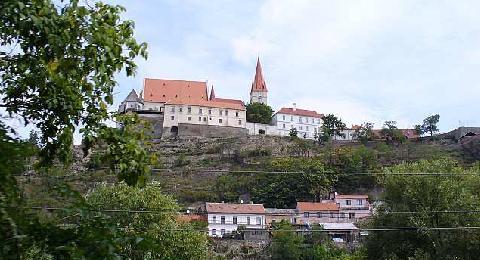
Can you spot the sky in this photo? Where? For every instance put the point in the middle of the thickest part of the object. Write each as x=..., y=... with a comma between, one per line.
x=362, y=60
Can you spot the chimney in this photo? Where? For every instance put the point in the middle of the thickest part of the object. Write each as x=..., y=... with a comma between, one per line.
x=294, y=106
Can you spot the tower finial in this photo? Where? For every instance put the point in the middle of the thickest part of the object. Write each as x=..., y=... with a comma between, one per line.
x=212, y=94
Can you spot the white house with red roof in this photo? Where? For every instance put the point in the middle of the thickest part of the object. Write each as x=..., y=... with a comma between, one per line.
x=225, y=218
x=307, y=122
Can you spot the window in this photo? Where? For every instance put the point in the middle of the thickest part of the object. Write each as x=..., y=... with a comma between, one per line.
x=214, y=219
x=235, y=220
x=306, y=127
x=351, y=215
x=199, y=118
x=300, y=119
x=220, y=120
x=291, y=118
x=222, y=220
x=226, y=112
x=189, y=118
x=200, y=111
x=209, y=111
x=204, y=119
x=300, y=127
x=221, y=112
x=189, y=110
x=172, y=117
x=248, y=220
x=283, y=126
x=332, y=215
x=214, y=232
x=348, y=202
x=222, y=231
x=172, y=109
x=360, y=202
x=283, y=117
x=319, y=214
x=306, y=214
x=180, y=109
x=259, y=220
x=236, y=113
x=273, y=221
x=239, y=122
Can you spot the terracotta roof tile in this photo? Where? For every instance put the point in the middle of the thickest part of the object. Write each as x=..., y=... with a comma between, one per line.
x=183, y=92
x=163, y=90
x=299, y=112
x=316, y=206
x=258, y=84
x=235, y=208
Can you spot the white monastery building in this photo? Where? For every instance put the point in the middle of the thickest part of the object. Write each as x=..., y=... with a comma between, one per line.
x=182, y=107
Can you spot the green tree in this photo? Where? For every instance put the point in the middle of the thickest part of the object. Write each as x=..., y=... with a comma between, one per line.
x=391, y=133
x=293, y=133
x=430, y=124
x=429, y=197
x=126, y=149
x=332, y=127
x=286, y=244
x=158, y=235
x=33, y=138
x=364, y=133
x=58, y=70
x=259, y=113
x=294, y=179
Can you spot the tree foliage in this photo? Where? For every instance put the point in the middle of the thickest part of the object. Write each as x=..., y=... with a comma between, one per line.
x=429, y=196
x=429, y=125
x=157, y=235
x=259, y=113
x=364, y=133
x=126, y=149
x=391, y=133
x=58, y=70
x=332, y=127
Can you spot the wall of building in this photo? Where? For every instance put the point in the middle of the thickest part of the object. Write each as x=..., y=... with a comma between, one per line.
x=215, y=222
x=306, y=126
x=201, y=115
x=206, y=131
x=259, y=97
x=256, y=128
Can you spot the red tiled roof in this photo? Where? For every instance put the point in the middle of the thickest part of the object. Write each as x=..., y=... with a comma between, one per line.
x=183, y=92
x=258, y=84
x=162, y=90
x=353, y=196
x=316, y=206
x=191, y=217
x=235, y=208
x=299, y=112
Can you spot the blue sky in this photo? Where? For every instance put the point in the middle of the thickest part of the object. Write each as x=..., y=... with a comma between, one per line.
x=361, y=60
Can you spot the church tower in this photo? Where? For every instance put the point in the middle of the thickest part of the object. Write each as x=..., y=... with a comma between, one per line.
x=259, y=88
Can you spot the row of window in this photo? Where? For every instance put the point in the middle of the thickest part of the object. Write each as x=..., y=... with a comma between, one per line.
x=220, y=120
x=258, y=221
x=349, y=202
x=307, y=128
x=200, y=111
x=330, y=215
x=301, y=119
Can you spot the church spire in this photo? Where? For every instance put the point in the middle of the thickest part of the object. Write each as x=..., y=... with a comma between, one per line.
x=258, y=84
x=212, y=94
